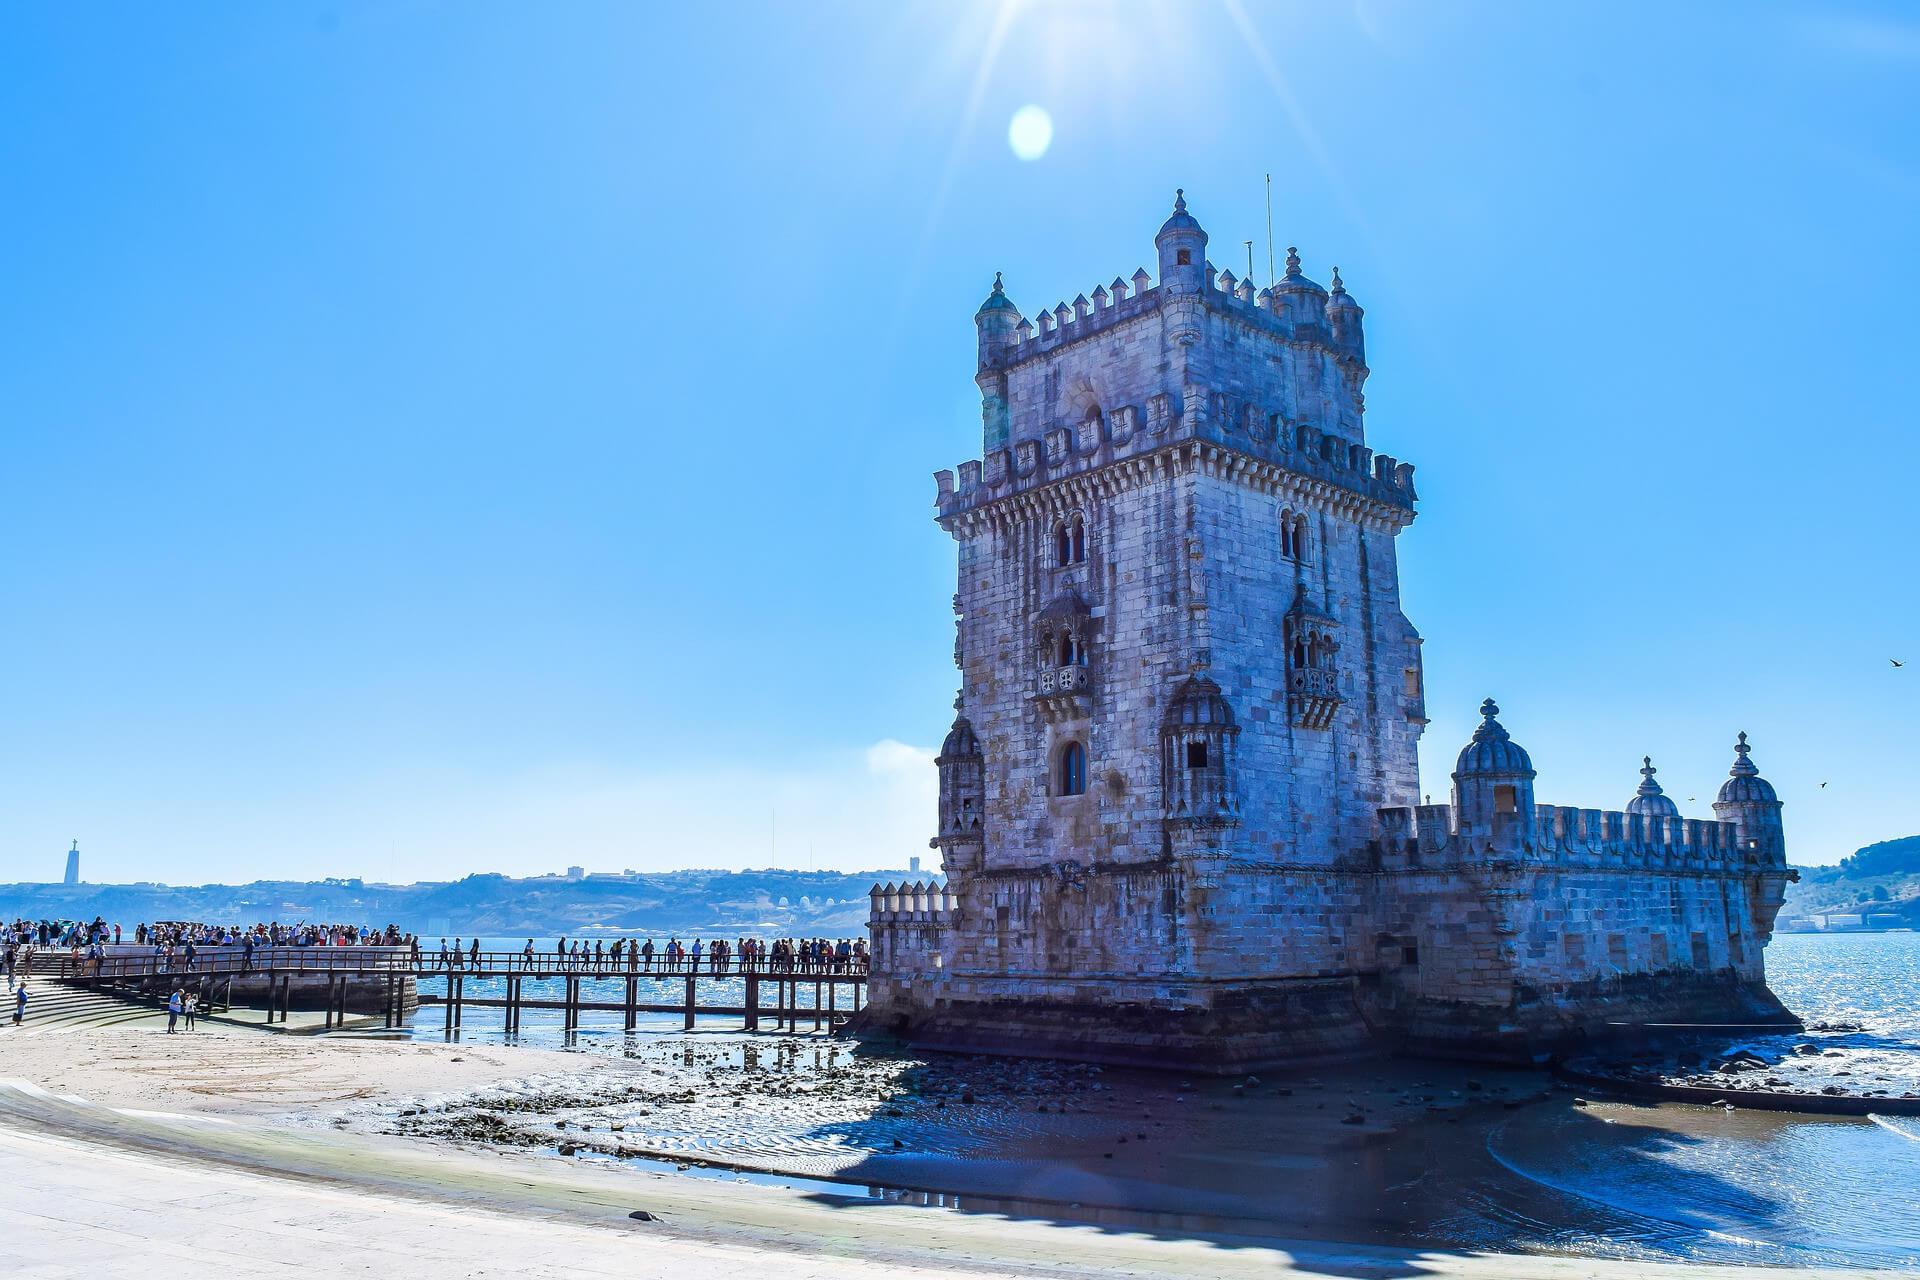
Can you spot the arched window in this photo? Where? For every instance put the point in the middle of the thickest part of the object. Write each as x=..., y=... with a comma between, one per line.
x=1071, y=777
x=1079, y=539
x=1062, y=545
x=1066, y=649
x=1293, y=537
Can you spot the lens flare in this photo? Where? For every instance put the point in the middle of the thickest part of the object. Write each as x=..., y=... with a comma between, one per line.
x=1030, y=133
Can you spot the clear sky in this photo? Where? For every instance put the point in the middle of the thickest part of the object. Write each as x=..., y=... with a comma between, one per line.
x=449, y=437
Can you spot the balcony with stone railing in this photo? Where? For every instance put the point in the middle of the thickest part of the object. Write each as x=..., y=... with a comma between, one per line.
x=1313, y=696
x=1064, y=692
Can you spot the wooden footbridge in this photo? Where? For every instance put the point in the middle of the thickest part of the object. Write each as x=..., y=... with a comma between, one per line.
x=390, y=979
x=836, y=991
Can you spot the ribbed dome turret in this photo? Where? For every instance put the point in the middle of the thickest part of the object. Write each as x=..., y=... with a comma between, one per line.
x=997, y=300
x=1744, y=785
x=1198, y=702
x=1493, y=750
x=1181, y=219
x=1294, y=281
x=1650, y=799
x=962, y=743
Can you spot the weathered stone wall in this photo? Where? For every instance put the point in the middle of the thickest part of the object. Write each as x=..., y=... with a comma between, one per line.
x=1228, y=604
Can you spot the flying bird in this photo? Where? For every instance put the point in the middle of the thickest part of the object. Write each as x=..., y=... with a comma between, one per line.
x=1896, y=662
x=1823, y=786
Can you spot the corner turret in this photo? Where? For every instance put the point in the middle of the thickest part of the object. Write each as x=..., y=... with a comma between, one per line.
x=962, y=769
x=998, y=323
x=1748, y=801
x=1493, y=788
x=1183, y=250
x=1343, y=321
x=1298, y=300
x=1649, y=800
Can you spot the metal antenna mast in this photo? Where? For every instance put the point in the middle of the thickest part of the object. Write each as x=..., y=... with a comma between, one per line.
x=1270, y=279
x=1249, y=245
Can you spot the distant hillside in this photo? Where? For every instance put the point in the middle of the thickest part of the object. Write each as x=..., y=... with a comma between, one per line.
x=771, y=902
x=1881, y=880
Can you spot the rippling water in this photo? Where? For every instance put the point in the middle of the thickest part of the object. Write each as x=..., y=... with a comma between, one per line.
x=1768, y=1186
x=1609, y=1178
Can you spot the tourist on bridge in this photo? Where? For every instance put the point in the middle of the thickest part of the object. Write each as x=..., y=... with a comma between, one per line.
x=526, y=957
x=443, y=955
x=646, y=955
x=476, y=955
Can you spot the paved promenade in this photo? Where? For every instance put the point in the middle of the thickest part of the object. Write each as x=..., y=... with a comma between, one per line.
x=91, y=1191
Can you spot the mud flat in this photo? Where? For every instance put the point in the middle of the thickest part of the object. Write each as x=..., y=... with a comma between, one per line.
x=94, y=1191
x=117, y=1144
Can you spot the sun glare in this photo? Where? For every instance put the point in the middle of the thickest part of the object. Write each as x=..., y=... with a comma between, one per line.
x=1030, y=132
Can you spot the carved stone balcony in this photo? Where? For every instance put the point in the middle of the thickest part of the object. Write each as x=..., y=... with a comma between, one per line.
x=1063, y=693
x=1313, y=696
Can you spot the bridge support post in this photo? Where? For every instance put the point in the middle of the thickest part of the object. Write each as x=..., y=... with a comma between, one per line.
x=816, y=1003
x=633, y=1002
x=753, y=1002
x=833, y=989
x=449, y=1009
x=690, y=1001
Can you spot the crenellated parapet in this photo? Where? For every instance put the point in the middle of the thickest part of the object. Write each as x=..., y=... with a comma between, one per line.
x=1132, y=443
x=1430, y=836
x=1294, y=310
x=1494, y=819
x=922, y=902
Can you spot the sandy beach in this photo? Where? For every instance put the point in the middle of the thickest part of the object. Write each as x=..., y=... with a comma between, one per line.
x=117, y=1142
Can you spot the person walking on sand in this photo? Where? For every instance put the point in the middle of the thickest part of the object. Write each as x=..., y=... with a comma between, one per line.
x=173, y=1010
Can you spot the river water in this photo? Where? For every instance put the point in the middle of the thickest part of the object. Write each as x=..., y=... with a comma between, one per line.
x=1410, y=1152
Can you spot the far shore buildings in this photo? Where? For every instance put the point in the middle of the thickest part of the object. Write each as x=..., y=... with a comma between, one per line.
x=1179, y=806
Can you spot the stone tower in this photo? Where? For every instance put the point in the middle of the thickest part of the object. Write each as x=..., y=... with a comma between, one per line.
x=1178, y=804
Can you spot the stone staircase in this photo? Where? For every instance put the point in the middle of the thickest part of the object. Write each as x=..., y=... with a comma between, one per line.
x=56, y=1008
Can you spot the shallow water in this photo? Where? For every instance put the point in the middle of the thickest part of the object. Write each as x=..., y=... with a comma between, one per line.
x=1431, y=1162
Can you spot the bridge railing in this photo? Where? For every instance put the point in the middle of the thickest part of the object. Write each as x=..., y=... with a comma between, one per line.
x=125, y=963
x=553, y=963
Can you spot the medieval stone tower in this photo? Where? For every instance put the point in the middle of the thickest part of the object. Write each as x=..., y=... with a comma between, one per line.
x=1189, y=701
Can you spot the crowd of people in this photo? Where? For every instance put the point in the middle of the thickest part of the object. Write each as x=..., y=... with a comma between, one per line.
x=633, y=955
x=179, y=947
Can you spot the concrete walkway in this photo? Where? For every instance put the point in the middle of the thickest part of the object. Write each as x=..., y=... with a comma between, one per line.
x=87, y=1191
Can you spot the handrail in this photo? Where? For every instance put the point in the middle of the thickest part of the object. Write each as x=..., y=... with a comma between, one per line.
x=228, y=961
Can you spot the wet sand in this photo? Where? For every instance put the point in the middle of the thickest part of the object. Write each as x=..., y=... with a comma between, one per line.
x=1053, y=1169
x=96, y=1192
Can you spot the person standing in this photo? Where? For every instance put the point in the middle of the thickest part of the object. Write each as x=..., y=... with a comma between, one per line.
x=19, y=1002
x=173, y=1010
x=189, y=1002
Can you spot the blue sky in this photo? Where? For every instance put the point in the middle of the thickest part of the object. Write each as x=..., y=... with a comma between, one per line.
x=444, y=437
